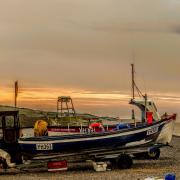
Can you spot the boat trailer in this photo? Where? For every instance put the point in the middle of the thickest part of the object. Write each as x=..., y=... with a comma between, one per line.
x=12, y=157
x=100, y=160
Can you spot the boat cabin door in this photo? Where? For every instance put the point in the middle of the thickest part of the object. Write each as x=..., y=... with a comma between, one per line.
x=10, y=126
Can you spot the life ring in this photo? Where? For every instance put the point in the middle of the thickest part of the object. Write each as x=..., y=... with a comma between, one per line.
x=96, y=127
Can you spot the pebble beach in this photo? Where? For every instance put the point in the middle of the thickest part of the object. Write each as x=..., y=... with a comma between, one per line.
x=169, y=162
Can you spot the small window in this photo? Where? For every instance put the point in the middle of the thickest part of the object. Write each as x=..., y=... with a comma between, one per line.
x=9, y=122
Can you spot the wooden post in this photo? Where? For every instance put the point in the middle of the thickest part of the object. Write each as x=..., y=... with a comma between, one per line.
x=15, y=93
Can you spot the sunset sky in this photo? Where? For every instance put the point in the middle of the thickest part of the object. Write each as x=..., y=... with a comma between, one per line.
x=84, y=48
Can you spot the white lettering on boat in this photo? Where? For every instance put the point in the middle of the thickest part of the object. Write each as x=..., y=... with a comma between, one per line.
x=152, y=131
x=41, y=147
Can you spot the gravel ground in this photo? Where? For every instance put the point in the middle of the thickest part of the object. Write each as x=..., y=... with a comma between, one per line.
x=168, y=162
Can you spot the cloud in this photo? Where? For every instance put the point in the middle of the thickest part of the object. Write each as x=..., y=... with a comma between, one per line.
x=88, y=45
x=175, y=29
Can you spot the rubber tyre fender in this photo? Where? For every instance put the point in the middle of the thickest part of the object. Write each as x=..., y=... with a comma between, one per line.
x=155, y=154
x=124, y=161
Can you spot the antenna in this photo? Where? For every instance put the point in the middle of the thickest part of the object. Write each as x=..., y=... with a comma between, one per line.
x=132, y=65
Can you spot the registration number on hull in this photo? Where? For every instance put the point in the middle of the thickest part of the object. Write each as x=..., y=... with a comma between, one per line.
x=46, y=146
x=152, y=131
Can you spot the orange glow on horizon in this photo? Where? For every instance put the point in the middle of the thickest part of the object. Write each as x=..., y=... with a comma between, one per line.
x=86, y=101
x=30, y=94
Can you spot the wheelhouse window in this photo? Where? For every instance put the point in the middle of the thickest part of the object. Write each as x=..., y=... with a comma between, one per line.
x=9, y=122
x=0, y=122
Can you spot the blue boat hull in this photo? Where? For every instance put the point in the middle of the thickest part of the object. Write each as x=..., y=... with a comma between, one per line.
x=132, y=137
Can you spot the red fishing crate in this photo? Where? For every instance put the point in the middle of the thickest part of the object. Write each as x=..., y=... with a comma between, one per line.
x=57, y=166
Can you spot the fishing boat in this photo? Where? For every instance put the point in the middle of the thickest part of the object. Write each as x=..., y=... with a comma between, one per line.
x=152, y=129
x=157, y=132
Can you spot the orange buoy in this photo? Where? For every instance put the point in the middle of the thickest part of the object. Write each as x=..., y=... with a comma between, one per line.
x=40, y=128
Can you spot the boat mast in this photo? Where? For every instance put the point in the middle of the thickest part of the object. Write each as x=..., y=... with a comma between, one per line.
x=134, y=86
x=133, y=94
x=132, y=65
